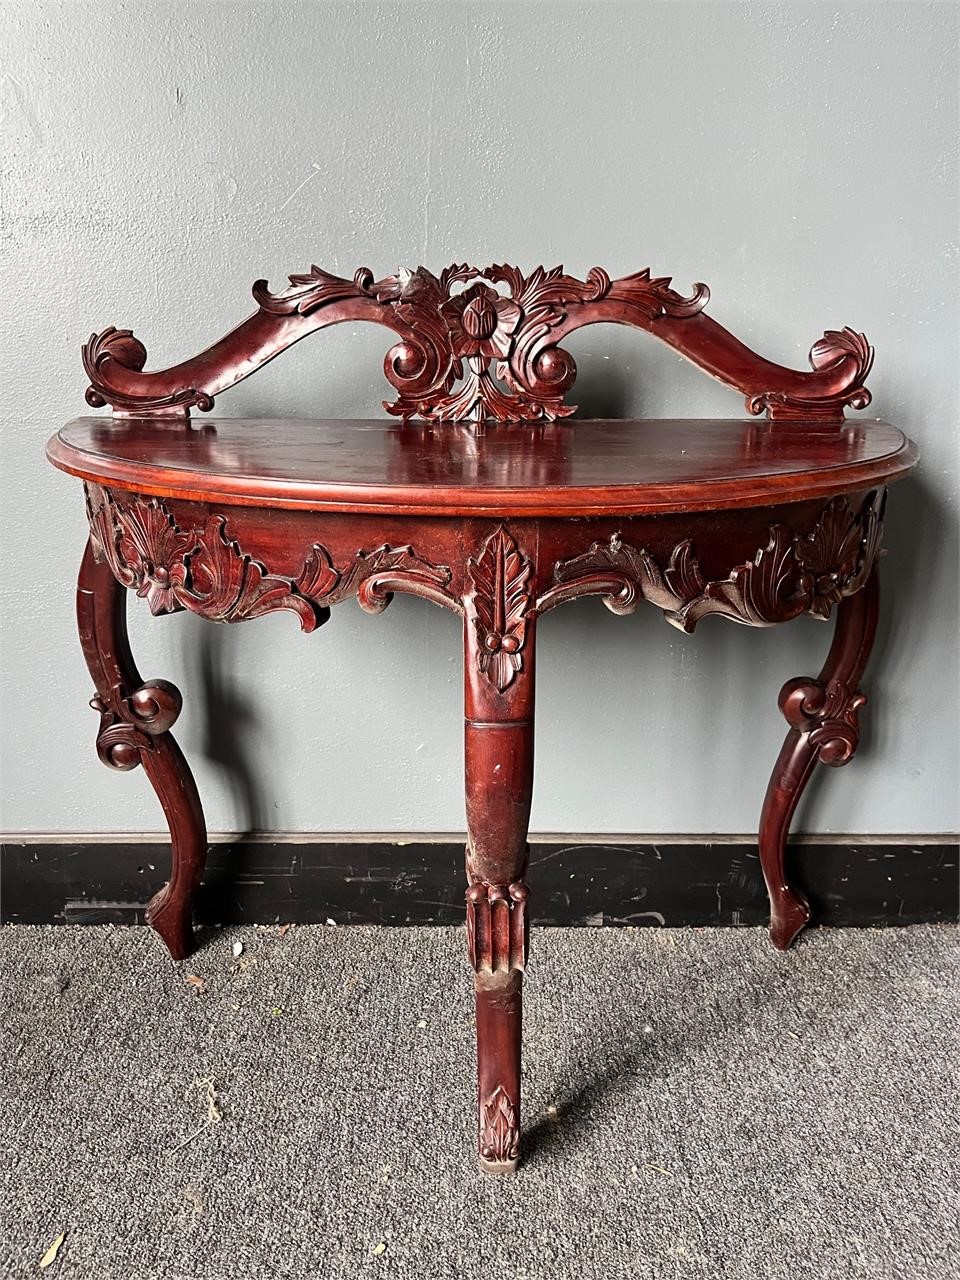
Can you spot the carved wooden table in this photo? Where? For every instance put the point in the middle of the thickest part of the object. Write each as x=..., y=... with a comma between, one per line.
x=485, y=499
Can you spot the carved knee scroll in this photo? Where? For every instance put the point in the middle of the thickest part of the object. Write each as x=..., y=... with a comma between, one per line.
x=129, y=725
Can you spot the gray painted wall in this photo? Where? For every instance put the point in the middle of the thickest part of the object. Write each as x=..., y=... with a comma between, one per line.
x=801, y=158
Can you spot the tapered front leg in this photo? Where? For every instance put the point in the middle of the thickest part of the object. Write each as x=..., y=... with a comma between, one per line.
x=135, y=718
x=499, y=705
x=824, y=725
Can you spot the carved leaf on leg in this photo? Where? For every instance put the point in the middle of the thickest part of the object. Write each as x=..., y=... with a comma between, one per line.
x=225, y=585
x=499, y=1131
x=500, y=597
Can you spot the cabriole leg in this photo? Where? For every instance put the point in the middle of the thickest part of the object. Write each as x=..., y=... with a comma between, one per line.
x=824, y=725
x=499, y=698
x=135, y=718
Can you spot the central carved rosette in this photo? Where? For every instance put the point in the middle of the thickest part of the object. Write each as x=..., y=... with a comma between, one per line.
x=481, y=322
x=516, y=331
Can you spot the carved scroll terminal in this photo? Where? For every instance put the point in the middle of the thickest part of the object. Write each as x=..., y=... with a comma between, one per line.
x=129, y=727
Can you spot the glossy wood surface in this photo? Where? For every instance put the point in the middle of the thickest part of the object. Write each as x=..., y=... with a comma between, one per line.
x=578, y=467
x=486, y=497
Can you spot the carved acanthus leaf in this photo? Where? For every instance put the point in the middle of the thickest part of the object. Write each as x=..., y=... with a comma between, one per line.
x=768, y=589
x=623, y=574
x=318, y=579
x=500, y=597
x=792, y=574
x=310, y=290
x=205, y=570
x=499, y=1130
x=376, y=575
x=222, y=583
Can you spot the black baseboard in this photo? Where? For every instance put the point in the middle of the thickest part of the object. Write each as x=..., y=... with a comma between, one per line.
x=394, y=881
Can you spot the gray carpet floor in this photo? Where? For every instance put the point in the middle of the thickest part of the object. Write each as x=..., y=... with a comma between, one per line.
x=696, y=1106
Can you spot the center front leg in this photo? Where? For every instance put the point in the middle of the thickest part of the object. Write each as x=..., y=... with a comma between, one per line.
x=498, y=703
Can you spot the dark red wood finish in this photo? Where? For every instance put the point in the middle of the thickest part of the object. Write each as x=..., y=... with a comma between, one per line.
x=135, y=721
x=757, y=522
x=454, y=326
x=570, y=468
x=823, y=715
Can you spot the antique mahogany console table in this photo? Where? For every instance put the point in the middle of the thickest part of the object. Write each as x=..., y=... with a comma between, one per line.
x=480, y=493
